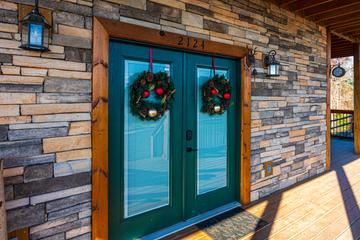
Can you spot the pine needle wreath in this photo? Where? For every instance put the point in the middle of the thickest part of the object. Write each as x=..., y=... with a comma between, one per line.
x=216, y=95
x=142, y=88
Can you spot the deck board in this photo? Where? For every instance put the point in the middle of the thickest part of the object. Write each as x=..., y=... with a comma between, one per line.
x=324, y=208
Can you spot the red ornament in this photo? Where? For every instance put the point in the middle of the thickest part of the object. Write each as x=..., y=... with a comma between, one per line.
x=159, y=91
x=146, y=94
x=213, y=91
x=227, y=96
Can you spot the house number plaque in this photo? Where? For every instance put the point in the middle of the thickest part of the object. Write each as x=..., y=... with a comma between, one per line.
x=190, y=42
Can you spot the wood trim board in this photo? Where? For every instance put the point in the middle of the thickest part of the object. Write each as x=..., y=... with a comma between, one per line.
x=356, y=49
x=99, y=132
x=103, y=31
x=328, y=110
x=20, y=234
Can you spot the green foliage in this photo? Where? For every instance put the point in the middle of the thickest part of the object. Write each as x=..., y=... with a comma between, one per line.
x=146, y=81
x=214, y=95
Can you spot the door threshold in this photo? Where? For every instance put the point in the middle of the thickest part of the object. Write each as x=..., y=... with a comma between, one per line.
x=190, y=222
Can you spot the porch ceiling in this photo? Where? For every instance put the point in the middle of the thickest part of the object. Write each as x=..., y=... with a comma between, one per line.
x=342, y=17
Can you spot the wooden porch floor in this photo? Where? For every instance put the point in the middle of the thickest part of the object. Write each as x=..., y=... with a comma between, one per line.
x=326, y=207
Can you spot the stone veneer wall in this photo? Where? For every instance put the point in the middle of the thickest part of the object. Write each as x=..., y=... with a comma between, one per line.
x=45, y=105
x=45, y=100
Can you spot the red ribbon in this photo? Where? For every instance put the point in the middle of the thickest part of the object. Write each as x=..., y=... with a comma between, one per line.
x=151, y=60
x=213, y=64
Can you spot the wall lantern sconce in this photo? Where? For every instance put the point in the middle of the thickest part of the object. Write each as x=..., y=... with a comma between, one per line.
x=272, y=64
x=35, y=31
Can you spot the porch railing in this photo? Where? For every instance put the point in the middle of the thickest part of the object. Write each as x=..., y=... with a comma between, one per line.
x=342, y=123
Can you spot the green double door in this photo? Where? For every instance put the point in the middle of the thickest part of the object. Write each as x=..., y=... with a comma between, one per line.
x=180, y=166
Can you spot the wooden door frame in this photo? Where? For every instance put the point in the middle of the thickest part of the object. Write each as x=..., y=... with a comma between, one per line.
x=103, y=30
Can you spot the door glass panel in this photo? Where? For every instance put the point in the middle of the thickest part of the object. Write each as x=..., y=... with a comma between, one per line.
x=211, y=142
x=146, y=152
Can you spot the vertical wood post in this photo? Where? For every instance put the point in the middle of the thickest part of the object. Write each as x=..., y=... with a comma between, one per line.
x=3, y=227
x=99, y=136
x=356, y=48
x=328, y=91
x=245, y=148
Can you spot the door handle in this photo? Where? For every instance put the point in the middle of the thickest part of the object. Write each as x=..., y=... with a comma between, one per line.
x=190, y=149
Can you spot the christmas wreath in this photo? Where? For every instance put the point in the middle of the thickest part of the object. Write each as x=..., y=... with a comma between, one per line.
x=216, y=95
x=151, y=95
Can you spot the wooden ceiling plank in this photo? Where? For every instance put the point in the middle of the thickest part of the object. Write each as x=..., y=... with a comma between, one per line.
x=356, y=36
x=346, y=46
x=349, y=29
x=285, y=3
x=341, y=49
x=344, y=28
x=339, y=20
x=328, y=7
x=341, y=56
x=342, y=53
x=342, y=46
x=337, y=39
x=336, y=14
x=344, y=15
x=303, y=5
x=345, y=37
x=348, y=24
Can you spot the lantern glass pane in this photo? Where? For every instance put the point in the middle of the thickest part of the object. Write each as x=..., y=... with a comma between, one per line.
x=273, y=70
x=36, y=33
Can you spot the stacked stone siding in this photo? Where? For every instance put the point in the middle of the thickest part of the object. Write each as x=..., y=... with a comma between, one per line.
x=45, y=105
x=45, y=100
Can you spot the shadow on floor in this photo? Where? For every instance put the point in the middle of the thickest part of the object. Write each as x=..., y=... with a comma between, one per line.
x=269, y=215
x=342, y=153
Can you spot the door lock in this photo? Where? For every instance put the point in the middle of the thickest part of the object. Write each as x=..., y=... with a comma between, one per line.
x=190, y=149
x=189, y=135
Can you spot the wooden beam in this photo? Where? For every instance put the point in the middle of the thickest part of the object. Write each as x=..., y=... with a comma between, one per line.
x=356, y=36
x=357, y=98
x=285, y=3
x=99, y=130
x=335, y=5
x=328, y=110
x=345, y=49
x=303, y=5
x=344, y=37
x=348, y=30
x=161, y=38
x=341, y=48
x=341, y=55
x=245, y=148
x=337, y=14
x=340, y=20
x=347, y=24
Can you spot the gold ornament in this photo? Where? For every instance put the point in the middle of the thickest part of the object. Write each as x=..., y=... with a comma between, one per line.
x=152, y=113
x=217, y=108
